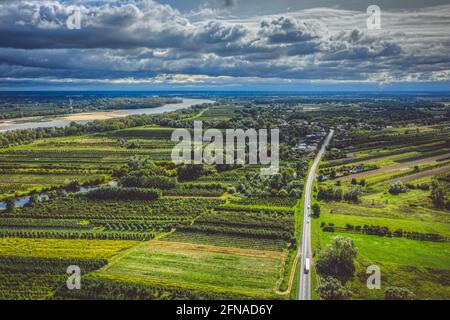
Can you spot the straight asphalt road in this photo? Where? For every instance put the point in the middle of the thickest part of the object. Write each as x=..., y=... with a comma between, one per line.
x=304, y=285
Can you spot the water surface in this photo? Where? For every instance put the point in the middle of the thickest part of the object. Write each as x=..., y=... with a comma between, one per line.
x=65, y=120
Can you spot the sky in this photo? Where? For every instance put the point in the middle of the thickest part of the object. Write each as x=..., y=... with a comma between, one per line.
x=286, y=45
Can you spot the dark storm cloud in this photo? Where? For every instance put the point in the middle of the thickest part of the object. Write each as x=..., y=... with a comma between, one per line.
x=286, y=30
x=229, y=3
x=143, y=38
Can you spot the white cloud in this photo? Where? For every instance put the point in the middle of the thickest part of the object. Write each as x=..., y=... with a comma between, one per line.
x=143, y=39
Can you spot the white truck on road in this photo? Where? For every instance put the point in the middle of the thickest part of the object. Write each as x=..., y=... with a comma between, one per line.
x=307, y=265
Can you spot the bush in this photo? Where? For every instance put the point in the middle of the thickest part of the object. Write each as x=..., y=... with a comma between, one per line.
x=332, y=289
x=397, y=187
x=439, y=194
x=73, y=186
x=316, y=210
x=188, y=172
x=353, y=194
x=231, y=190
x=330, y=193
x=398, y=293
x=296, y=192
x=10, y=204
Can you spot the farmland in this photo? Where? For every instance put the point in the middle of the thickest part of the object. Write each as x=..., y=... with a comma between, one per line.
x=137, y=242
x=142, y=227
x=210, y=268
x=392, y=220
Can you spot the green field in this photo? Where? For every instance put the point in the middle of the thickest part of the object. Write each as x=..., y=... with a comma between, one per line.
x=247, y=272
x=219, y=231
x=62, y=248
x=421, y=266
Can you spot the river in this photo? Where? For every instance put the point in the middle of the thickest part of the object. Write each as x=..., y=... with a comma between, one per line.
x=43, y=196
x=64, y=120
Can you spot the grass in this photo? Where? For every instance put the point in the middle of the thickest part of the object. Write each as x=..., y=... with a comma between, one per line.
x=63, y=248
x=421, y=266
x=217, y=114
x=397, y=250
x=414, y=204
x=341, y=220
x=425, y=282
x=247, y=272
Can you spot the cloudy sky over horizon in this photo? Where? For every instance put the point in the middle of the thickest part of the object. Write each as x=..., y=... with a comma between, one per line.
x=225, y=44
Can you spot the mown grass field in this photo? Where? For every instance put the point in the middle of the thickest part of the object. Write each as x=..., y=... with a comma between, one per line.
x=421, y=266
x=211, y=268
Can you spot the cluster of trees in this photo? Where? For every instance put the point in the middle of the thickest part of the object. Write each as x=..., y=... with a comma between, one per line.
x=81, y=207
x=14, y=264
x=440, y=194
x=142, y=166
x=337, y=264
x=78, y=234
x=287, y=183
x=108, y=193
x=266, y=201
x=336, y=193
x=188, y=172
x=160, y=182
x=95, y=288
x=248, y=220
x=266, y=211
x=238, y=231
x=397, y=187
x=17, y=107
x=193, y=189
x=142, y=172
x=383, y=231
